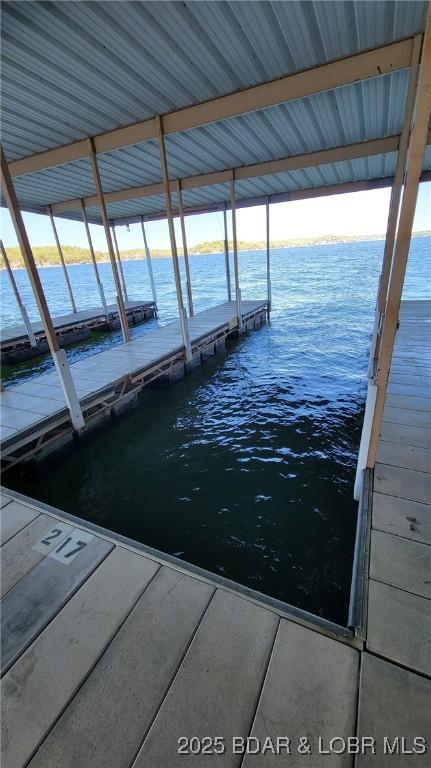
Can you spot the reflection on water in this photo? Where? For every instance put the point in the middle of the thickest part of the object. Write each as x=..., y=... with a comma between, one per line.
x=246, y=466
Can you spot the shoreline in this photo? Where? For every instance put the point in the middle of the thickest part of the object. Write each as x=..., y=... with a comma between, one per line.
x=352, y=241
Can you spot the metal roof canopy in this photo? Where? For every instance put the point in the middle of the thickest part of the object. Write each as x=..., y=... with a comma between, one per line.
x=301, y=125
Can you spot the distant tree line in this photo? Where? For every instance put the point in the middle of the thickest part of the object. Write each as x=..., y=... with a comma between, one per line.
x=47, y=255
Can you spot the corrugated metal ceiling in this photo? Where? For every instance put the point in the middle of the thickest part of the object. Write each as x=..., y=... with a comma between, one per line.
x=73, y=69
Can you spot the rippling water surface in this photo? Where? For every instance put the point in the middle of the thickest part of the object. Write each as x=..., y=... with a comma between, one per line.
x=246, y=466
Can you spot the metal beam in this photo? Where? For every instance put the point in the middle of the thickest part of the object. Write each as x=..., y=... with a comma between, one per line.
x=235, y=253
x=58, y=355
x=175, y=262
x=21, y=307
x=185, y=250
x=416, y=149
x=226, y=255
x=351, y=69
x=149, y=264
x=101, y=200
x=117, y=250
x=62, y=261
x=93, y=259
x=256, y=170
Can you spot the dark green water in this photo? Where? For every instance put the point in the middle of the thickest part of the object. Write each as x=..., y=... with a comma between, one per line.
x=246, y=466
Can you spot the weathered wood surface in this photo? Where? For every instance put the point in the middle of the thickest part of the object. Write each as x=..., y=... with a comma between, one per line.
x=43, y=680
x=310, y=690
x=29, y=607
x=28, y=406
x=399, y=604
x=13, y=517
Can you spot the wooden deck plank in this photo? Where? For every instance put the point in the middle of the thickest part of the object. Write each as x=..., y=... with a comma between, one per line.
x=399, y=626
x=409, y=417
x=406, y=456
x=30, y=606
x=401, y=563
x=310, y=690
x=410, y=390
x=408, y=402
x=392, y=703
x=13, y=517
x=20, y=554
x=4, y=499
x=402, y=517
x=405, y=483
x=216, y=689
x=401, y=433
x=40, y=684
x=106, y=722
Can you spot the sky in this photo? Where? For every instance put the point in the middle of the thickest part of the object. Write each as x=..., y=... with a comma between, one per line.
x=356, y=213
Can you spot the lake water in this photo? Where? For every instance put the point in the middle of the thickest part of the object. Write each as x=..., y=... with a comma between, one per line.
x=246, y=466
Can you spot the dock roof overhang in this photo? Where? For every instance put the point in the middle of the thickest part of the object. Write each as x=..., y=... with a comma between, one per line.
x=296, y=99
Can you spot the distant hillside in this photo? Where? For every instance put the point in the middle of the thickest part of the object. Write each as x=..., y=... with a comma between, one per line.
x=47, y=255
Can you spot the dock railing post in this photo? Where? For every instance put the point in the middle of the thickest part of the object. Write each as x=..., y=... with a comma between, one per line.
x=268, y=258
x=175, y=262
x=226, y=255
x=62, y=261
x=149, y=263
x=94, y=262
x=100, y=195
x=58, y=355
x=185, y=249
x=114, y=234
x=235, y=253
x=394, y=205
x=22, y=309
x=415, y=153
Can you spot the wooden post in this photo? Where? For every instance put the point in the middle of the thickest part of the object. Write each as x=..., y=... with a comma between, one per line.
x=185, y=249
x=394, y=205
x=93, y=259
x=149, y=263
x=235, y=253
x=417, y=144
x=119, y=261
x=268, y=258
x=62, y=261
x=99, y=190
x=175, y=262
x=226, y=256
x=22, y=309
x=58, y=355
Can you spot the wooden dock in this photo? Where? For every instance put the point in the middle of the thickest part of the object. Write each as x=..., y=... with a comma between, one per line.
x=14, y=341
x=113, y=652
x=33, y=415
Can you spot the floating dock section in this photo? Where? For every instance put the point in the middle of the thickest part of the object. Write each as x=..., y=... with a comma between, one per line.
x=15, y=344
x=33, y=415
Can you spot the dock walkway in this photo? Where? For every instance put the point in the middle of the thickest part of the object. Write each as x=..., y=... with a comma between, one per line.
x=15, y=339
x=115, y=655
x=35, y=412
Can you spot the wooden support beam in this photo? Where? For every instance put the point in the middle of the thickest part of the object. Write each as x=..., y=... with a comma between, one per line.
x=149, y=264
x=416, y=149
x=351, y=69
x=226, y=255
x=101, y=200
x=58, y=355
x=21, y=307
x=93, y=259
x=185, y=249
x=394, y=205
x=256, y=170
x=235, y=253
x=62, y=261
x=175, y=261
x=268, y=257
x=114, y=234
